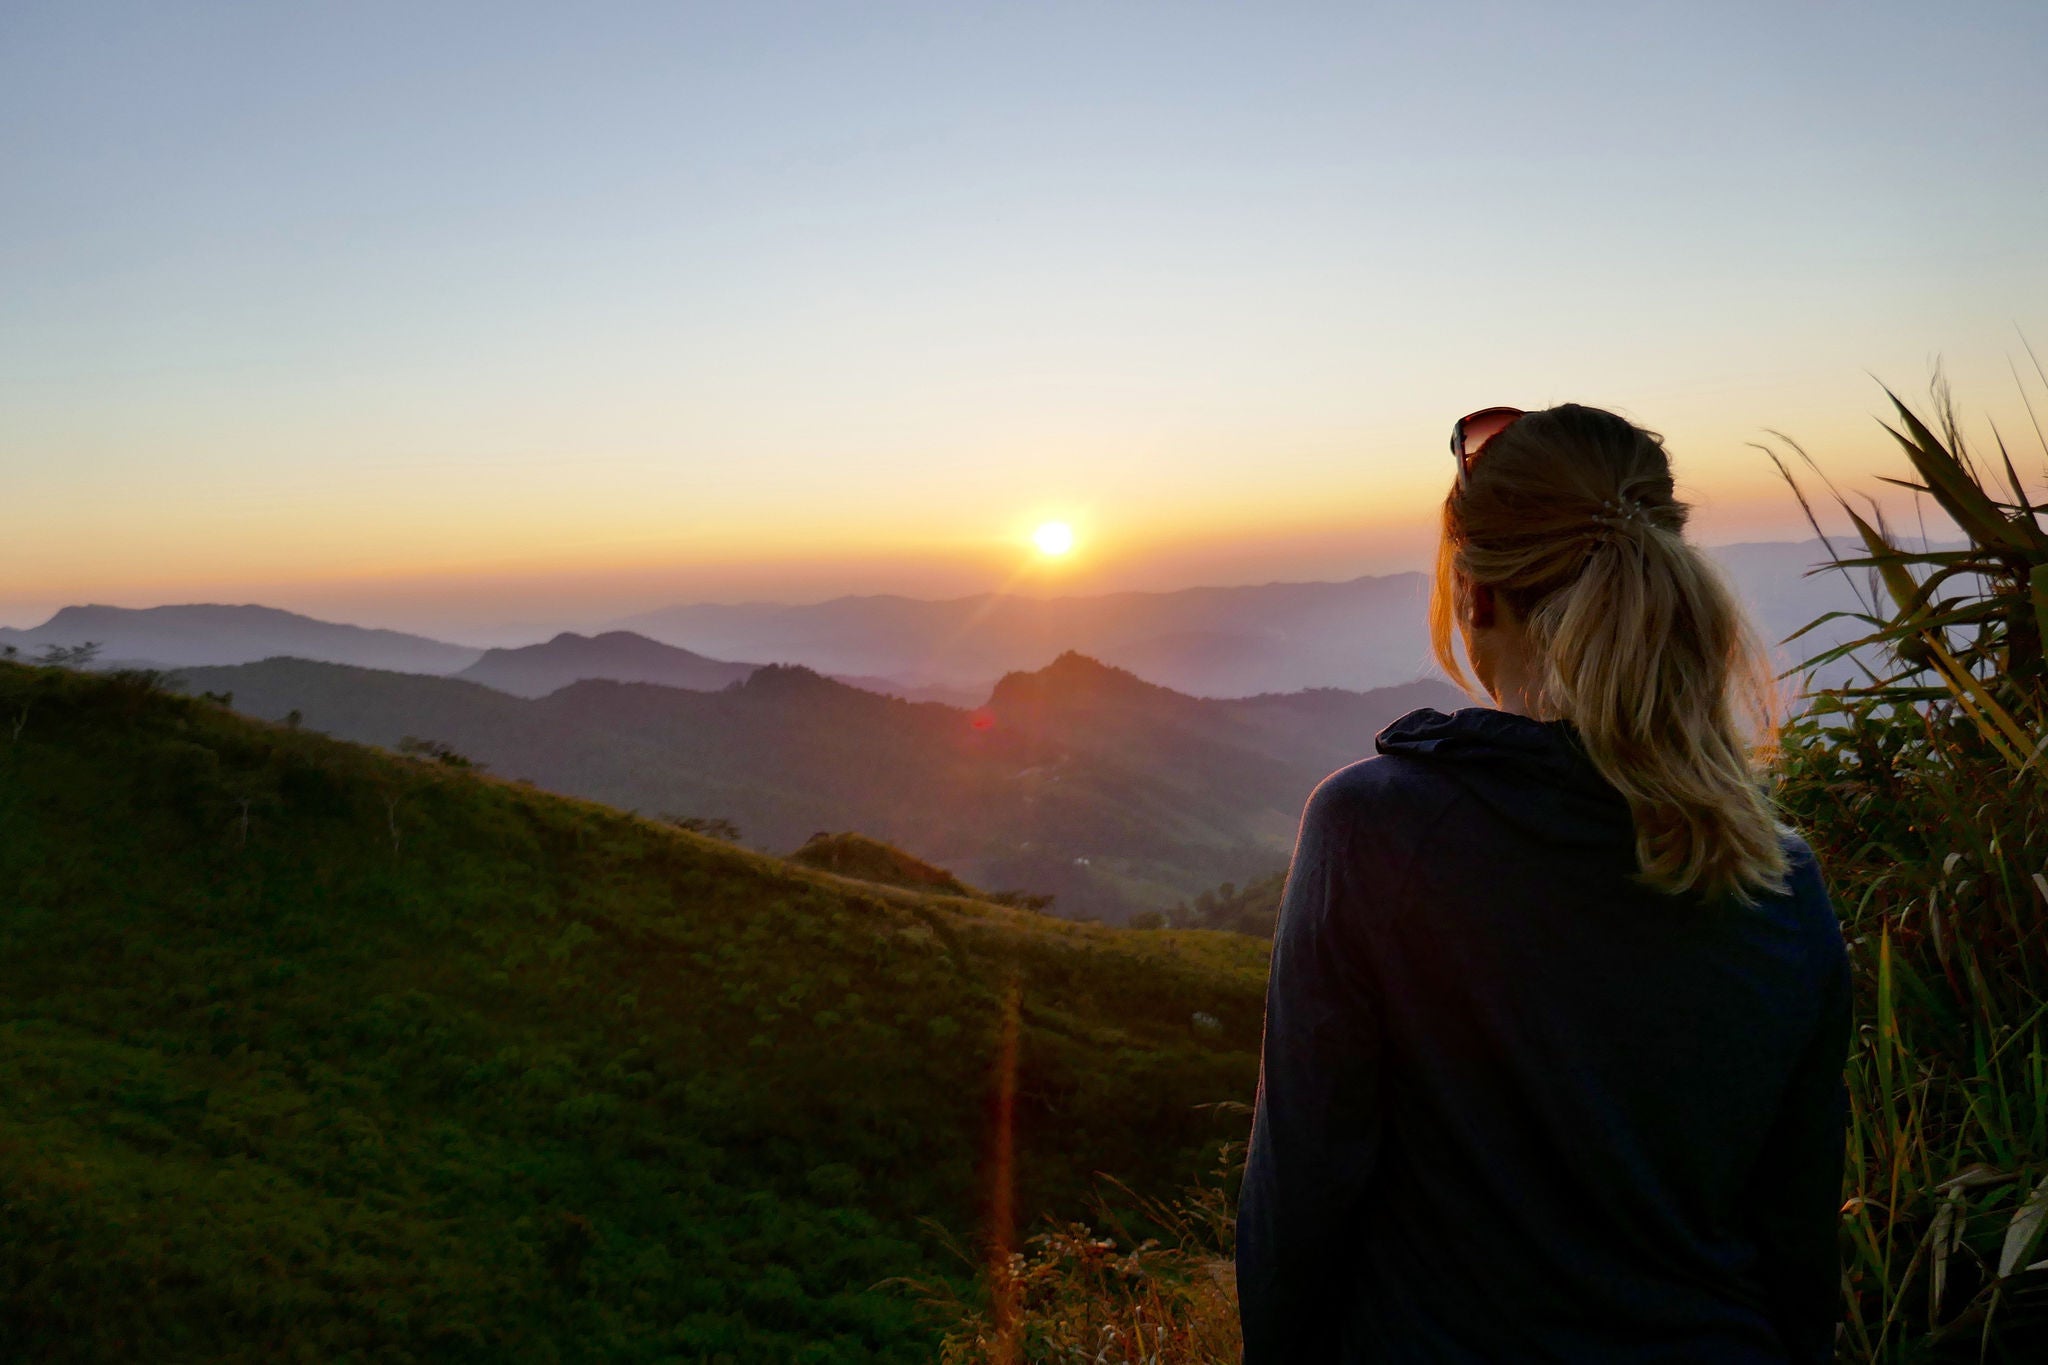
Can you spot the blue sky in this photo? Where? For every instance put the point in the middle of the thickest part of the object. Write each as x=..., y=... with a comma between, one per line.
x=446, y=313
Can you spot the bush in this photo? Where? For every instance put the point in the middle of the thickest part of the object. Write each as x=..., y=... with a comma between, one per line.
x=433, y=750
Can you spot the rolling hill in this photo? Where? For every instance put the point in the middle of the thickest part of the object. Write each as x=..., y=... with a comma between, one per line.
x=617, y=655
x=316, y=1052
x=1077, y=780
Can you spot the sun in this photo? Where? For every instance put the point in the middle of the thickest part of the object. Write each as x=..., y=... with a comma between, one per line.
x=1054, y=538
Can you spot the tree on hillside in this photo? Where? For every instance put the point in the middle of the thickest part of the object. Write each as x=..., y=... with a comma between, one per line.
x=69, y=656
x=710, y=826
x=436, y=751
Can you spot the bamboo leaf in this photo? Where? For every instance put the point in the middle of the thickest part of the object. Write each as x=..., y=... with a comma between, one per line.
x=1952, y=485
x=1831, y=616
x=1849, y=648
x=1946, y=1235
x=1942, y=575
x=2037, y=589
x=1974, y=1176
x=2012, y=477
x=1974, y=558
x=1897, y=579
x=2024, y=1230
x=1993, y=721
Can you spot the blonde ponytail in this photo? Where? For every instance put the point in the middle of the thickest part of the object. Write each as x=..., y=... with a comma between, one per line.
x=1569, y=518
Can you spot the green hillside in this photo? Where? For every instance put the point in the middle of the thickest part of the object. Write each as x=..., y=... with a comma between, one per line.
x=316, y=1052
x=1078, y=781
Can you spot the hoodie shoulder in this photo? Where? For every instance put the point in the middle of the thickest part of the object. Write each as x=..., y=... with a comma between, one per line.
x=1384, y=794
x=1806, y=890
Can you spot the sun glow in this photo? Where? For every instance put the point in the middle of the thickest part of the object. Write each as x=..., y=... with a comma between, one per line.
x=1055, y=538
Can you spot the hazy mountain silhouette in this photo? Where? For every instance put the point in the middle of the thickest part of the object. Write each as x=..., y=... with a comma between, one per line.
x=214, y=634
x=1214, y=642
x=619, y=655
x=964, y=694
x=1208, y=642
x=1077, y=779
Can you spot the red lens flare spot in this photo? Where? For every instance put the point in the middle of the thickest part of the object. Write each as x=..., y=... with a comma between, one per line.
x=983, y=721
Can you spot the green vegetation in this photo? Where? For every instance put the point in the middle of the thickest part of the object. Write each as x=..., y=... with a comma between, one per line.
x=871, y=860
x=1079, y=781
x=1924, y=788
x=1161, y=1291
x=1253, y=908
x=316, y=1052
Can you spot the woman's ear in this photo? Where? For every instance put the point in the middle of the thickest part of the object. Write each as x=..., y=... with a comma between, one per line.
x=1482, y=606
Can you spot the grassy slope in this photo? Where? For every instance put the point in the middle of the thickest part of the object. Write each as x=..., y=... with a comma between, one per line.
x=1163, y=795
x=310, y=1050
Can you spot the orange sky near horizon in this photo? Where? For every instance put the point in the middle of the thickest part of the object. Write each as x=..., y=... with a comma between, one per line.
x=581, y=552
x=489, y=597
x=497, y=319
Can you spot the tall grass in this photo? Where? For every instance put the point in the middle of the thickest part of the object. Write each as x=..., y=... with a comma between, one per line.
x=1151, y=1286
x=1922, y=782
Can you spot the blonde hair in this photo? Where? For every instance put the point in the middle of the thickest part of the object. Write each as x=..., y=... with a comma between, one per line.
x=1569, y=516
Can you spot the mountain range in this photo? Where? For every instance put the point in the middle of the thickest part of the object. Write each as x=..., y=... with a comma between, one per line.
x=211, y=633
x=1213, y=642
x=1077, y=780
x=1208, y=642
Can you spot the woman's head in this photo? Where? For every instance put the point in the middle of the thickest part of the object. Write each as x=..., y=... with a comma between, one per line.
x=1563, y=551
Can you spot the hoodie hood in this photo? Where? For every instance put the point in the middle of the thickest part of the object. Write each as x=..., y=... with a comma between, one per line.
x=1534, y=774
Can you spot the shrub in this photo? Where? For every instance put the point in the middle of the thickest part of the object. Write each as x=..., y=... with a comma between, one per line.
x=435, y=751
x=711, y=827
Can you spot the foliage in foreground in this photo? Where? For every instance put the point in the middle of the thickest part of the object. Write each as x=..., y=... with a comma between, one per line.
x=315, y=1052
x=1924, y=788
x=1109, y=1294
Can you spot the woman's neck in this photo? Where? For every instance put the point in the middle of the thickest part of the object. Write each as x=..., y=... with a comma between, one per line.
x=1515, y=686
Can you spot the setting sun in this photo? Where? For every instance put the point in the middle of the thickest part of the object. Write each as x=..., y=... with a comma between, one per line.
x=1053, y=538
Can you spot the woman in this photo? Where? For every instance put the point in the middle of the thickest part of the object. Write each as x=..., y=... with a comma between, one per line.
x=1558, y=1011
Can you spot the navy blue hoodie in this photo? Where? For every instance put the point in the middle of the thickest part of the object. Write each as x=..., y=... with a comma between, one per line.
x=1514, y=1106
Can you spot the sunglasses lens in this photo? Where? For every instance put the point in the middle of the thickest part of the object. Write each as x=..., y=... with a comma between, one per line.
x=1475, y=431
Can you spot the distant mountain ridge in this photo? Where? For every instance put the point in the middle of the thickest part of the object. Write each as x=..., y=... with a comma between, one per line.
x=1205, y=642
x=215, y=633
x=618, y=655
x=1356, y=635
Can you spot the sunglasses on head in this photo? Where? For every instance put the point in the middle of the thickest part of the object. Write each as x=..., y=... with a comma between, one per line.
x=1471, y=433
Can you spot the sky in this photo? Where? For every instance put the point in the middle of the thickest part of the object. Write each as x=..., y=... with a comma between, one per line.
x=482, y=318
